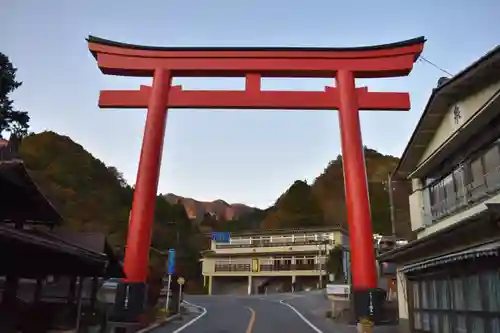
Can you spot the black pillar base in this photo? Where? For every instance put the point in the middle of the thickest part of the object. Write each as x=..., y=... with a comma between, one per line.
x=369, y=303
x=129, y=301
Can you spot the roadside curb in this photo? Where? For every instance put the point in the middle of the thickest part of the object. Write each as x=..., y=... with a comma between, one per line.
x=159, y=324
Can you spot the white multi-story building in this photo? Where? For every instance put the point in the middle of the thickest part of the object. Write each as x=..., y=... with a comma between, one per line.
x=448, y=279
x=273, y=260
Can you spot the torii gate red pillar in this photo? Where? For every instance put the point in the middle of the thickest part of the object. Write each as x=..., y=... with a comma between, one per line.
x=345, y=64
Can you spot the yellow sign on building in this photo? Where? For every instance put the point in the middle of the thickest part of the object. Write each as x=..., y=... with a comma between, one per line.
x=255, y=265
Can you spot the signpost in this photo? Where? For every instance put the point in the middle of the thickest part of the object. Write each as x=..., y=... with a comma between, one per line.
x=170, y=271
x=181, y=282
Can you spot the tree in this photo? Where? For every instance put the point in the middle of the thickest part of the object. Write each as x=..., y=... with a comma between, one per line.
x=209, y=220
x=11, y=120
x=298, y=207
x=334, y=264
x=118, y=175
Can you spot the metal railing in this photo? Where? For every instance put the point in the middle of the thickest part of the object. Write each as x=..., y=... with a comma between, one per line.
x=291, y=267
x=269, y=244
x=267, y=267
x=232, y=267
x=467, y=195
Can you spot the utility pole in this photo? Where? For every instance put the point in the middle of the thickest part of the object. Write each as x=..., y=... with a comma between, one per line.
x=320, y=284
x=322, y=265
x=391, y=204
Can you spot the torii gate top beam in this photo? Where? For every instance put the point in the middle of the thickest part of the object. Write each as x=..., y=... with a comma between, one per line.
x=253, y=63
x=389, y=60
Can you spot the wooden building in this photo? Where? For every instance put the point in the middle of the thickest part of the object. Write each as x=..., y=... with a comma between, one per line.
x=44, y=272
x=449, y=278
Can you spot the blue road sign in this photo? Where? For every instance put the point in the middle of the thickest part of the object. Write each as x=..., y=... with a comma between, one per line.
x=221, y=237
x=171, y=261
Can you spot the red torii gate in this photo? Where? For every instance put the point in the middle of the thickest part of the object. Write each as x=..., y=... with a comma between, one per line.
x=253, y=63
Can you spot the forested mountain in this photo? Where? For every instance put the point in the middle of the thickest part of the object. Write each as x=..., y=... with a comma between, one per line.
x=94, y=197
x=323, y=202
x=329, y=190
x=219, y=209
x=298, y=207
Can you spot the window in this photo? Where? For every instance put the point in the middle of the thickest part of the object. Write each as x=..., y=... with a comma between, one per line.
x=433, y=296
x=459, y=177
x=437, y=197
x=445, y=324
x=491, y=282
x=310, y=237
x=458, y=294
x=416, y=295
x=443, y=292
x=472, y=293
x=491, y=159
x=476, y=172
x=449, y=192
x=425, y=295
x=495, y=325
x=471, y=180
x=465, y=304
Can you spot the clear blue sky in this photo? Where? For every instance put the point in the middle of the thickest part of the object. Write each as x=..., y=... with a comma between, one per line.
x=249, y=157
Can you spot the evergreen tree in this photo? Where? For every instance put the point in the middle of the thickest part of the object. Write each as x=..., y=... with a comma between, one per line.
x=11, y=120
x=298, y=207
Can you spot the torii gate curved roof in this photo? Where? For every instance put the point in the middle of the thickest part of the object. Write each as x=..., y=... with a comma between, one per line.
x=387, y=60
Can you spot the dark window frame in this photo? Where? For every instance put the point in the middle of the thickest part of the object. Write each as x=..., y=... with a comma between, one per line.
x=417, y=309
x=467, y=190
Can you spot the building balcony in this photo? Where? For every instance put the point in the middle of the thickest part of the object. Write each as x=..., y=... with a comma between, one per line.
x=233, y=267
x=254, y=244
x=267, y=267
x=274, y=247
x=466, y=196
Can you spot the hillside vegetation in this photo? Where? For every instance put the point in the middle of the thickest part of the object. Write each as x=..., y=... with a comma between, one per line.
x=329, y=190
x=322, y=203
x=94, y=197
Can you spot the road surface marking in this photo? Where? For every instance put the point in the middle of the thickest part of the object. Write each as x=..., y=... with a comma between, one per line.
x=301, y=316
x=192, y=321
x=251, y=322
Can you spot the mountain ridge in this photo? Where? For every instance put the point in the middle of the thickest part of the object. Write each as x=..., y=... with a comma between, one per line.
x=219, y=209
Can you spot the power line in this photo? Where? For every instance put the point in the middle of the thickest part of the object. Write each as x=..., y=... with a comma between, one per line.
x=422, y=58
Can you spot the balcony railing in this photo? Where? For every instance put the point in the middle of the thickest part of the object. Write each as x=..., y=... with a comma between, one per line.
x=467, y=195
x=267, y=267
x=291, y=267
x=269, y=244
x=232, y=267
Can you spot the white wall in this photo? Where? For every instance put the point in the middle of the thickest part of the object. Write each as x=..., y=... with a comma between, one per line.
x=448, y=127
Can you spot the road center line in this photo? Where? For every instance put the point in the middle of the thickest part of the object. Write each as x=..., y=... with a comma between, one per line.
x=192, y=321
x=301, y=316
x=251, y=322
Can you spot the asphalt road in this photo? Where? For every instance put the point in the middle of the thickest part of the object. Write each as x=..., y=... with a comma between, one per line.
x=245, y=314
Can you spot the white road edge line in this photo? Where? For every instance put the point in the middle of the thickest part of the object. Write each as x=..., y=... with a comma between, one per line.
x=192, y=321
x=301, y=316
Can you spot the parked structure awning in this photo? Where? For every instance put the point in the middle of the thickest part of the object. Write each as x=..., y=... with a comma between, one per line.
x=491, y=249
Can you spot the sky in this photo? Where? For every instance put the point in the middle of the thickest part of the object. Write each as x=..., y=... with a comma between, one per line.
x=247, y=157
